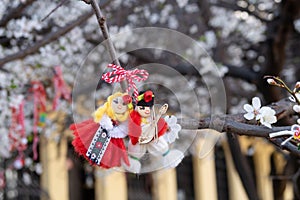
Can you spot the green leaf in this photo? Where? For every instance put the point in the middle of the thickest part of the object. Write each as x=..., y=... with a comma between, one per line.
x=12, y=84
x=62, y=48
x=30, y=138
x=38, y=65
x=202, y=38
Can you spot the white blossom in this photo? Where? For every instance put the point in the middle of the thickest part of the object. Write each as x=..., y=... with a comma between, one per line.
x=38, y=168
x=182, y=3
x=252, y=110
x=18, y=163
x=296, y=108
x=165, y=13
x=265, y=115
x=173, y=22
x=193, y=29
x=297, y=25
x=154, y=18
x=191, y=8
x=210, y=39
x=4, y=143
x=27, y=178
x=15, y=101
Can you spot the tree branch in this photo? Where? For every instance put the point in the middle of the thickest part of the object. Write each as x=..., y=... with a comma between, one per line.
x=48, y=38
x=14, y=12
x=103, y=26
x=241, y=72
x=237, y=124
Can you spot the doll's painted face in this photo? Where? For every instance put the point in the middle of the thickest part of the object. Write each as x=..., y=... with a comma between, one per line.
x=144, y=111
x=118, y=105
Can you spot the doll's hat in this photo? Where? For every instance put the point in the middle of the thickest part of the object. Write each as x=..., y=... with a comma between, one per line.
x=145, y=98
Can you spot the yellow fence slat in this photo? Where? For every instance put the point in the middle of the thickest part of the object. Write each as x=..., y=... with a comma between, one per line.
x=110, y=184
x=164, y=184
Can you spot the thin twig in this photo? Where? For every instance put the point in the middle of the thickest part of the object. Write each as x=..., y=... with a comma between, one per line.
x=103, y=26
x=53, y=10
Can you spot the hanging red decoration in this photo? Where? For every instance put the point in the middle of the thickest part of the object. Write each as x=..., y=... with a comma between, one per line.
x=60, y=87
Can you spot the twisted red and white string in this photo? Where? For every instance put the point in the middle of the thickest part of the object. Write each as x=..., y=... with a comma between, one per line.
x=120, y=74
x=17, y=128
x=61, y=89
x=39, y=101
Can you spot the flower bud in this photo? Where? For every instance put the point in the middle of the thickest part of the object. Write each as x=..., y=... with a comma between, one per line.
x=271, y=81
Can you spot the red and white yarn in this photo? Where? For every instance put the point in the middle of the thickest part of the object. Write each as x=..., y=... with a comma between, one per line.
x=17, y=135
x=120, y=74
x=39, y=101
x=61, y=89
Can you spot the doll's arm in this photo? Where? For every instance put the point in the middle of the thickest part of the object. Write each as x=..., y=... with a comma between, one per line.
x=106, y=123
x=120, y=131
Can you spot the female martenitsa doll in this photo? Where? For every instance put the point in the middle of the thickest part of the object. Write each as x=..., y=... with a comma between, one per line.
x=100, y=140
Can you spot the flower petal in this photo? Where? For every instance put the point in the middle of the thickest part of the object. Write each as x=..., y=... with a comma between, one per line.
x=266, y=124
x=265, y=110
x=259, y=116
x=291, y=98
x=297, y=96
x=271, y=119
x=248, y=108
x=256, y=103
x=295, y=127
x=249, y=116
x=296, y=108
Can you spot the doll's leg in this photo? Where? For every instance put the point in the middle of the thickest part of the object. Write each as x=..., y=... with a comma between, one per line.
x=135, y=152
x=170, y=157
x=158, y=147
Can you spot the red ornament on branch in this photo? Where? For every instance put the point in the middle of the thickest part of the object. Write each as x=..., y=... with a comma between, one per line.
x=39, y=102
x=60, y=87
